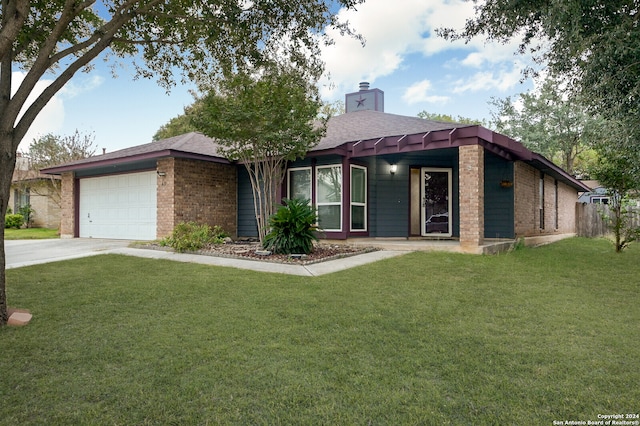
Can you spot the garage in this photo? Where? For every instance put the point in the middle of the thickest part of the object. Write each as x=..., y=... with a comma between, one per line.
x=122, y=206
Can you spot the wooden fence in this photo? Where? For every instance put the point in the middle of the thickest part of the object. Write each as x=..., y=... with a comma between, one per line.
x=591, y=219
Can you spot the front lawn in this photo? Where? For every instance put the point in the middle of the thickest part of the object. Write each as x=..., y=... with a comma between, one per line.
x=30, y=234
x=531, y=337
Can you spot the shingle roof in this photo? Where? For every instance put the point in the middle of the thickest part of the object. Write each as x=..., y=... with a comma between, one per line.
x=190, y=143
x=362, y=125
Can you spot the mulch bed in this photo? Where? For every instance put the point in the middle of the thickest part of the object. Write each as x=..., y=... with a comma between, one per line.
x=250, y=250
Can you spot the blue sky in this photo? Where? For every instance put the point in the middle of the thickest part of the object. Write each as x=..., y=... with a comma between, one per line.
x=403, y=57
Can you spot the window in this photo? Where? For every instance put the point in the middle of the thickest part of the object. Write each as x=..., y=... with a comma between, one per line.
x=21, y=198
x=600, y=200
x=299, y=185
x=329, y=197
x=358, y=198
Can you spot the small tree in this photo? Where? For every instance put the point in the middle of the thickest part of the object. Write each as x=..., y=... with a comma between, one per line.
x=263, y=120
x=50, y=150
x=620, y=174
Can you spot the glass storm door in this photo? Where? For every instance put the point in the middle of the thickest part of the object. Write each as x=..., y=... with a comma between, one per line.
x=436, y=202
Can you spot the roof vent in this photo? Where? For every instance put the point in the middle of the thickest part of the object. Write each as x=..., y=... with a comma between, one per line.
x=364, y=85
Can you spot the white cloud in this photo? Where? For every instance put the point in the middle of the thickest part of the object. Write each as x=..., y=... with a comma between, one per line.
x=52, y=116
x=421, y=92
x=392, y=32
x=502, y=80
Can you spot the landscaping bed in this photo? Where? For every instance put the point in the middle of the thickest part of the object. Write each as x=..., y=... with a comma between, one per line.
x=251, y=250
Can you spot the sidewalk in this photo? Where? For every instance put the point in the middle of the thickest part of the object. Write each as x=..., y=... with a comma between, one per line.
x=20, y=253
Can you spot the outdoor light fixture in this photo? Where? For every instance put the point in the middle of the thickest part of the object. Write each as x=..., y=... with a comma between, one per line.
x=161, y=174
x=393, y=168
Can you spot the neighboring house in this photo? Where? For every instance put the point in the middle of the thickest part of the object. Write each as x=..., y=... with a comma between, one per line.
x=28, y=187
x=374, y=175
x=597, y=195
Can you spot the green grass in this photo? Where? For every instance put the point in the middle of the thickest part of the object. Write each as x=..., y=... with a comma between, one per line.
x=529, y=337
x=30, y=234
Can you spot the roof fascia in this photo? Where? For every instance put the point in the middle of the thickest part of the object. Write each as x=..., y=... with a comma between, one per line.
x=133, y=159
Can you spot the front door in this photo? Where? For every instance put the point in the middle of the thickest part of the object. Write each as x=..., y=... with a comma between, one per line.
x=436, y=202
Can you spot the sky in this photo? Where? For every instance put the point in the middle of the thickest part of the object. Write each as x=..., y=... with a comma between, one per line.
x=416, y=69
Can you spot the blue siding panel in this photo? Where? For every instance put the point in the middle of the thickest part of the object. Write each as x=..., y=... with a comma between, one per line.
x=498, y=201
x=247, y=225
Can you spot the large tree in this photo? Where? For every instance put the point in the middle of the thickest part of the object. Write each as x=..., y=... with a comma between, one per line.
x=551, y=121
x=62, y=37
x=263, y=120
x=593, y=43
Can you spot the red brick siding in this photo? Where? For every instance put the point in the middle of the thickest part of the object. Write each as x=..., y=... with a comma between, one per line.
x=199, y=191
x=471, y=186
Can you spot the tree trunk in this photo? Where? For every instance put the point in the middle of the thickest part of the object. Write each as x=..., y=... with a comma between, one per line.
x=7, y=165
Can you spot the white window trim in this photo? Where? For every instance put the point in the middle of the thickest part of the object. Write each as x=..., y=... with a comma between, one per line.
x=319, y=204
x=353, y=203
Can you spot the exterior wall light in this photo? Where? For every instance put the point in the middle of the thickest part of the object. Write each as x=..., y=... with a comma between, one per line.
x=393, y=168
x=162, y=174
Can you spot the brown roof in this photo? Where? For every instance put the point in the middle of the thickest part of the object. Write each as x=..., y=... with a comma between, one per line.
x=192, y=145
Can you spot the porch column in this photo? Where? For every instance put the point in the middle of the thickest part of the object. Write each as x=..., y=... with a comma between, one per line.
x=471, y=187
x=68, y=206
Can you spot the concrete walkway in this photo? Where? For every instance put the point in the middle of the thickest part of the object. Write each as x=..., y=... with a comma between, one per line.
x=21, y=253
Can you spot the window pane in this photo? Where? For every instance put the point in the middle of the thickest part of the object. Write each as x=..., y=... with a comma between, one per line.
x=300, y=184
x=329, y=184
x=329, y=217
x=357, y=218
x=358, y=185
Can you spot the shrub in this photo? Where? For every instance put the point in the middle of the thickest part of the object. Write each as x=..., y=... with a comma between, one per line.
x=26, y=211
x=292, y=228
x=13, y=221
x=191, y=236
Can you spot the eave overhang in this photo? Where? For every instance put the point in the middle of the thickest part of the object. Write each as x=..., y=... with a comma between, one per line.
x=138, y=158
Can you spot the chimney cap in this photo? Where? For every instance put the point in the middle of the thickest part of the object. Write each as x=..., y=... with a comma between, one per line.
x=364, y=85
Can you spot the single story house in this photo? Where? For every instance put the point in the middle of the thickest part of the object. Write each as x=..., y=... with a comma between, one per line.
x=374, y=174
x=30, y=187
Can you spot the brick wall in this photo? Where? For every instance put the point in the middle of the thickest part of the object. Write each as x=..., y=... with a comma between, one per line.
x=68, y=206
x=471, y=184
x=527, y=203
x=199, y=191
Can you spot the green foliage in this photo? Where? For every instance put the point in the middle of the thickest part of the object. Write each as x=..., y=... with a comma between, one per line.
x=263, y=119
x=13, y=221
x=292, y=228
x=180, y=124
x=619, y=172
x=525, y=338
x=593, y=43
x=450, y=119
x=26, y=211
x=551, y=121
x=51, y=150
x=191, y=236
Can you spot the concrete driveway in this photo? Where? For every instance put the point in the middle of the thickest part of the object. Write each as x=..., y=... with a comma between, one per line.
x=32, y=252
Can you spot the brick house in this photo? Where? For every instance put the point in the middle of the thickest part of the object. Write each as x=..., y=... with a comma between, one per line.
x=374, y=174
x=29, y=187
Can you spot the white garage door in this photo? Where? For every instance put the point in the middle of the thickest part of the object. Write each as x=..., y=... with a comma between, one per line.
x=120, y=207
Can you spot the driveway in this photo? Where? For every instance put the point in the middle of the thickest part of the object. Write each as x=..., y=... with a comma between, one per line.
x=31, y=252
